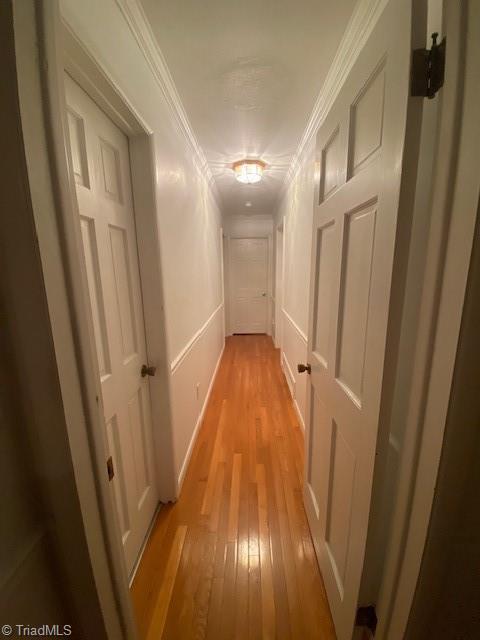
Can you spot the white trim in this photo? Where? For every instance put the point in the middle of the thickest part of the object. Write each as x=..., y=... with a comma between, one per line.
x=138, y=24
x=301, y=333
x=293, y=388
x=299, y=414
x=454, y=208
x=176, y=362
x=288, y=370
x=72, y=332
x=359, y=28
x=222, y=273
x=290, y=377
x=83, y=64
x=279, y=280
x=183, y=470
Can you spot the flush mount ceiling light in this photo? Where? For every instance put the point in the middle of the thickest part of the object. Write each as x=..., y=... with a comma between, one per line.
x=249, y=171
x=248, y=204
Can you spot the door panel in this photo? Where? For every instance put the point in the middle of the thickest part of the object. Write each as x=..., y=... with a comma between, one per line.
x=102, y=173
x=249, y=268
x=341, y=463
x=119, y=488
x=96, y=297
x=123, y=290
x=354, y=296
x=367, y=120
x=323, y=279
x=359, y=155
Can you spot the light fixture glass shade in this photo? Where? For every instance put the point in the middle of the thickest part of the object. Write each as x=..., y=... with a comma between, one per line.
x=249, y=171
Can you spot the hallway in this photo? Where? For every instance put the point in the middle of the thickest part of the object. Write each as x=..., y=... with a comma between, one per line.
x=238, y=286
x=233, y=558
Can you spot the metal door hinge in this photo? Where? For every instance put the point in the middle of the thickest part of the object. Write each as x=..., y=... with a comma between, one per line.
x=428, y=69
x=366, y=617
x=110, y=469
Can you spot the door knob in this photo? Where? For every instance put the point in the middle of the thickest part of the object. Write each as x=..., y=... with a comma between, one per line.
x=301, y=368
x=263, y=295
x=147, y=371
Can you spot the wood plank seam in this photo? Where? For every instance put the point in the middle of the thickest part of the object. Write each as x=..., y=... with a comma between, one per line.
x=234, y=558
x=163, y=601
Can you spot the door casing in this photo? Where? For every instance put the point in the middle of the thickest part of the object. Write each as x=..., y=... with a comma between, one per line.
x=40, y=68
x=454, y=210
x=81, y=65
x=279, y=283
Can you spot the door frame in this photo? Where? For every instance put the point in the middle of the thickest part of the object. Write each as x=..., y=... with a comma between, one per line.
x=61, y=50
x=454, y=211
x=280, y=280
x=39, y=62
x=231, y=314
x=86, y=70
x=224, y=285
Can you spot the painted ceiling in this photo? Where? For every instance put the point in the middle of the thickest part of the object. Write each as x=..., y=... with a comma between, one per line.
x=248, y=74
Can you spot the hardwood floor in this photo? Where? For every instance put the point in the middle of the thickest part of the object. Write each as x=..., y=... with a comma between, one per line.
x=233, y=558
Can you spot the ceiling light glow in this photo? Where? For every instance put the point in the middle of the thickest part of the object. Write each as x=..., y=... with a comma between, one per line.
x=249, y=171
x=248, y=204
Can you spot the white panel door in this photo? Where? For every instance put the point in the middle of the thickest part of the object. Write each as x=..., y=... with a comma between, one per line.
x=359, y=155
x=249, y=269
x=102, y=172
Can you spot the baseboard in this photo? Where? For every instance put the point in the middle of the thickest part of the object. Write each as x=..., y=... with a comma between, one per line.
x=183, y=470
x=292, y=385
x=299, y=414
x=289, y=374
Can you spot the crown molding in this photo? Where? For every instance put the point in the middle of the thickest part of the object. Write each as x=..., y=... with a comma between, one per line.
x=359, y=28
x=138, y=24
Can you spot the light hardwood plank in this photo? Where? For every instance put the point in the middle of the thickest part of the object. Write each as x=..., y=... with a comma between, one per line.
x=268, y=601
x=234, y=498
x=233, y=559
x=155, y=630
x=216, y=458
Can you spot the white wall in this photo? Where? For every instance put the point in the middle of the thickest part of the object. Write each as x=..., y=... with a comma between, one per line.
x=296, y=210
x=195, y=367
x=254, y=226
x=238, y=226
x=188, y=217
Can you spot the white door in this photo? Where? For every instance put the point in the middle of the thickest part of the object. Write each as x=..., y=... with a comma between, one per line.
x=102, y=172
x=249, y=269
x=359, y=153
